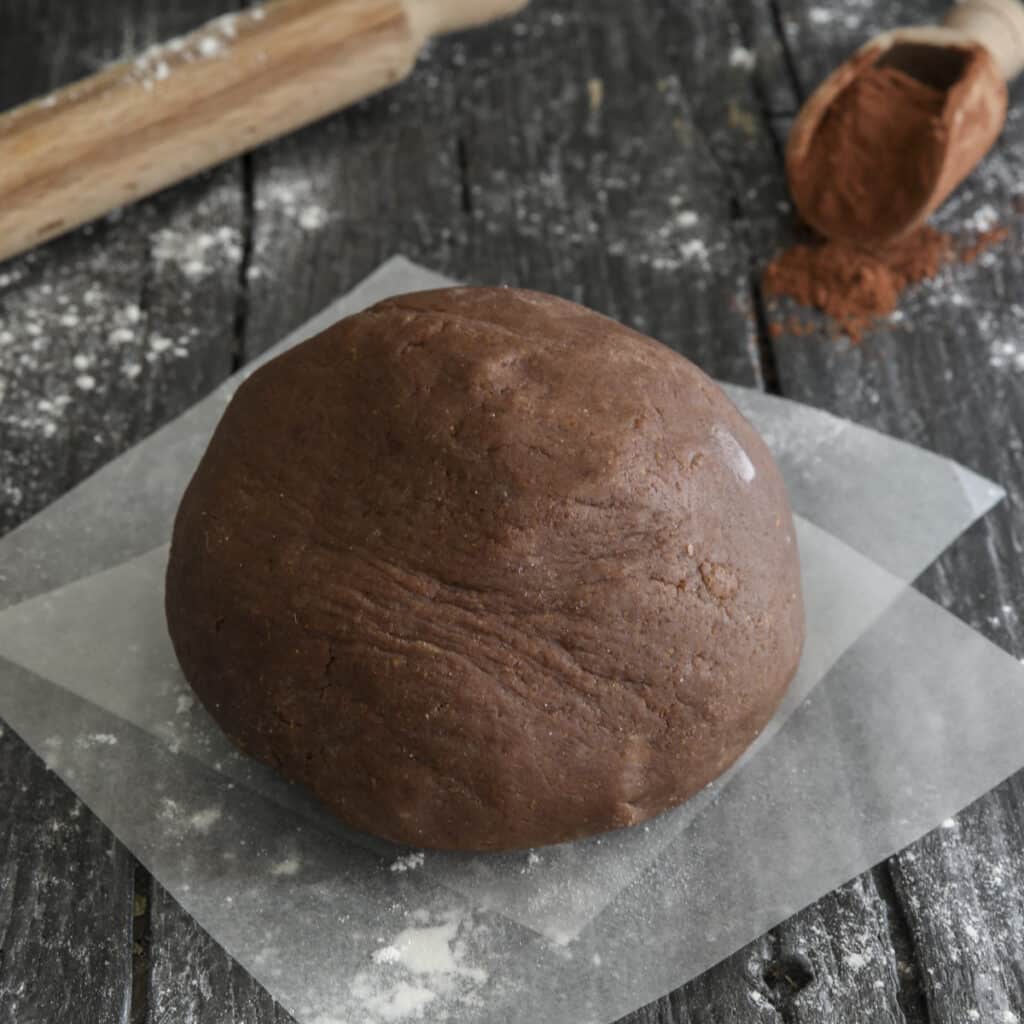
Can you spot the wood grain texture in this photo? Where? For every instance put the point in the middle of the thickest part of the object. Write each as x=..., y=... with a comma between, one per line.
x=625, y=155
x=65, y=901
x=513, y=156
x=107, y=333
x=193, y=981
x=946, y=374
x=104, y=335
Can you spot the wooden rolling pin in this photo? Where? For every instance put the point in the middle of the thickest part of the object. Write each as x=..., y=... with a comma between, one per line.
x=240, y=80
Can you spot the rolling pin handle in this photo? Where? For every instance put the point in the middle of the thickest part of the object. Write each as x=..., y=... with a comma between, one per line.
x=438, y=17
x=998, y=25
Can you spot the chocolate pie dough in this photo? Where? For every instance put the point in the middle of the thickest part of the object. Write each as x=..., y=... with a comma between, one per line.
x=486, y=570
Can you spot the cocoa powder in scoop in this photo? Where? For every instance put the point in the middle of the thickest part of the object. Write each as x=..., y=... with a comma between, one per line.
x=876, y=153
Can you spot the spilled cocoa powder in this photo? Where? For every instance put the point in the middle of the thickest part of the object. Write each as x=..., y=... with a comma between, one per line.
x=993, y=236
x=855, y=285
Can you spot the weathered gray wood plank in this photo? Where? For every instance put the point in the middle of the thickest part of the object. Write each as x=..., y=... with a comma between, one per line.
x=104, y=335
x=65, y=901
x=193, y=981
x=963, y=888
x=107, y=333
x=561, y=151
x=946, y=375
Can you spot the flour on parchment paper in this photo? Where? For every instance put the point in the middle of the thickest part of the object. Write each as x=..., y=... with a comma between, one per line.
x=424, y=972
x=409, y=862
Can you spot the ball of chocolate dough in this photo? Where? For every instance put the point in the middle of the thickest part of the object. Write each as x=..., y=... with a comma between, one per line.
x=486, y=570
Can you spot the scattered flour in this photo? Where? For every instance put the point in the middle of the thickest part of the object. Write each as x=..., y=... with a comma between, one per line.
x=226, y=25
x=197, y=254
x=695, y=251
x=949, y=823
x=296, y=201
x=203, y=821
x=1006, y=354
x=741, y=57
x=51, y=751
x=758, y=1000
x=210, y=46
x=312, y=218
x=984, y=218
x=424, y=965
x=409, y=862
x=855, y=961
x=287, y=867
x=401, y=1001
x=157, y=63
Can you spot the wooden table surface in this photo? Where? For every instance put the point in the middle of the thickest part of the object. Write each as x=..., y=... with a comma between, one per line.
x=624, y=154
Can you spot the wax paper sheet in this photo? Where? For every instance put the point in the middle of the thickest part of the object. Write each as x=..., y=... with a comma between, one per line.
x=892, y=693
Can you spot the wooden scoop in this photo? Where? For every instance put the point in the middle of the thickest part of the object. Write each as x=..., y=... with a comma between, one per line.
x=974, y=97
x=240, y=80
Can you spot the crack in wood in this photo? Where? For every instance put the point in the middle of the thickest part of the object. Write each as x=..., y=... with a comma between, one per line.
x=910, y=992
x=241, y=318
x=462, y=155
x=788, y=58
x=141, y=966
x=765, y=349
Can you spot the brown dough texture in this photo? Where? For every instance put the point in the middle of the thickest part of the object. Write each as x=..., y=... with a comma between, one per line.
x=486, y=570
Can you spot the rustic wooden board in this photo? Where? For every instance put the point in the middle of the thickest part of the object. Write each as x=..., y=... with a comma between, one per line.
x=65, y=901
x=192, y=980
x=945, y=375
x=628, y=156
x=104, y=335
